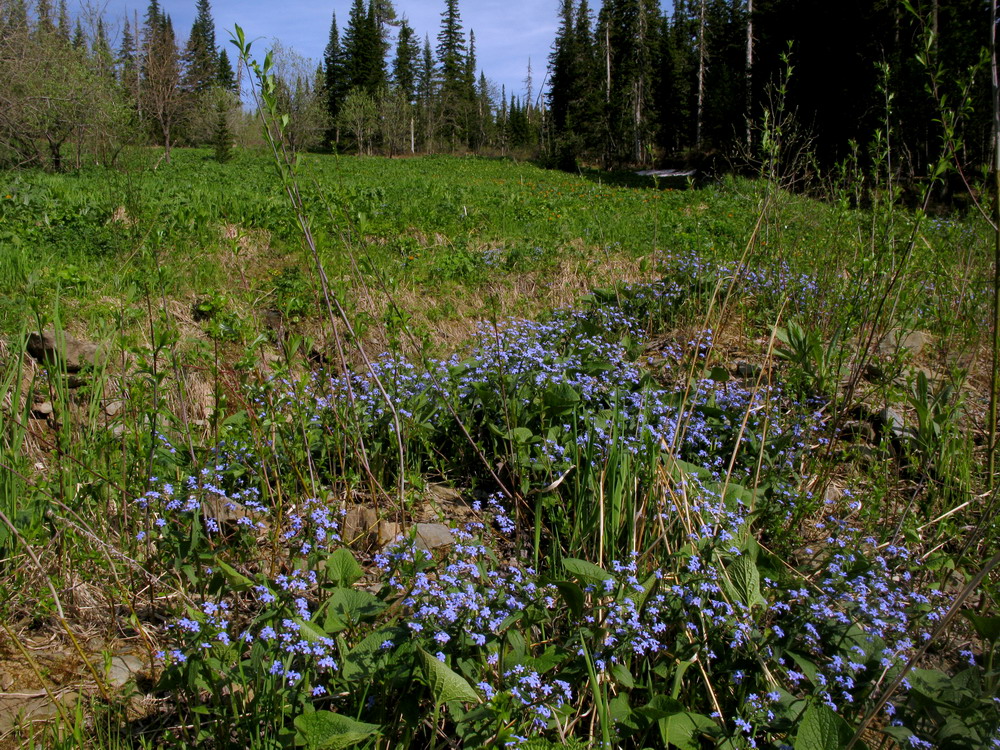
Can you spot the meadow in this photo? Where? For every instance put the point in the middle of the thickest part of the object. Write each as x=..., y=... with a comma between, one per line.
x=460, y=452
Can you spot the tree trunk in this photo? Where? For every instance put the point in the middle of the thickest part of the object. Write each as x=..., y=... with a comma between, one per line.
x=749, y=74
x=701, y=73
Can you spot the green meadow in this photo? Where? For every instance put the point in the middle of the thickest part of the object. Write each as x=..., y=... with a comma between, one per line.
x=461, y=452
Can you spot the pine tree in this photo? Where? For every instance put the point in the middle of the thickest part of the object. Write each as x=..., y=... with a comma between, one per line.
x=14, y=19
x=334, y=80
x=63, y=27
x=363, y=50
x=226, y=78
x=451, y=47
x=79, y=38
x=404, y=66
x=201, y=60
x=101, y=50
x=43, y=8
x=161, y=93
x=561, y=68
x=222, y=137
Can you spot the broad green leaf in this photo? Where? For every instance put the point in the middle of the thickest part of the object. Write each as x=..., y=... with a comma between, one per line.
x=742, y=581
x=586, y=571
x=573, y=595
x=822, y=729
x=660, y=707
x=311, y=631
x=719, y=374
x=560, y=397
x=342, y=568
x=623, y=676
x=348, y=607
x=684, y=728
x=368, y=655
x=520, y=435
x=445, y=684
x=233, y=577
x=988, y=628
x=325, y=730
x=619, y=708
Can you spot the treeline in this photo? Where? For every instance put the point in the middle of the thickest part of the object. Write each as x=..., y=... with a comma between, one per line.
x=415, y=96
x=63, y=84
x=627, y=83
x=630, y=84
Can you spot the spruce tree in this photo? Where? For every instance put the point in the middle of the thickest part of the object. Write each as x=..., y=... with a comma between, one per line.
x=451, y=55
x=562, y=69
x=225, y=77
x=363, y=50
x=222, y=137
x=334, y=79
x=404, y=66
x=63, y=27
x=201, y=60
x=101, y=50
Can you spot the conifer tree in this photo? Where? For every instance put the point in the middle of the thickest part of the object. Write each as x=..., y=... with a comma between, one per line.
x=63, y=27
x=45, y=25
x=451, y=54
x=226, y=78
x=201, y=60
x=363, y=49
x=562, y=71
x=335, y=83
x=160, y=87
x=101, y=50
x=404, y=66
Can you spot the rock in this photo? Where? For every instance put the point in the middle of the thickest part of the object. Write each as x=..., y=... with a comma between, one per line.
x=860, y=431
x=359, y=522
x=123, y=669
x=389, y=532
x=746, y=370
x=74, y=355
x=113, y=408
x=442, y=492
x=893, y=420
x=42, y=410
x=896, y=341
x=433, y=535
x=832, y=493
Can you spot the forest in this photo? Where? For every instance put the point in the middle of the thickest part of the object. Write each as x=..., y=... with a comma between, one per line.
x=626, y=83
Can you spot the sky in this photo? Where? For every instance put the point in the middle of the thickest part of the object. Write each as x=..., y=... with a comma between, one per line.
x=508, y=32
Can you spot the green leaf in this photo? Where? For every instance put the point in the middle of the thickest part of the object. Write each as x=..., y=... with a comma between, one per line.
x=342, y=568
x=368, y=655
x=233, y=577
x=988, y=628
x=682, y=729
x=660, y=707
x=348, y=607
x=742, y=581
x=325, y=730
x=822, y=729
x=311, y=631
x=445, y=684
x=586, y=571
x=560, y=397
x=623, y=676
x=520, y=435
x=573, y=595
x=719, y=374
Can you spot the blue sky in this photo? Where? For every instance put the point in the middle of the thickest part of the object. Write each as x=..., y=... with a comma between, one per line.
x=508, y=32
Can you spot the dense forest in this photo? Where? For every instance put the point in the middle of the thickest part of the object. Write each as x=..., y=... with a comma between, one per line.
x=626, y=84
